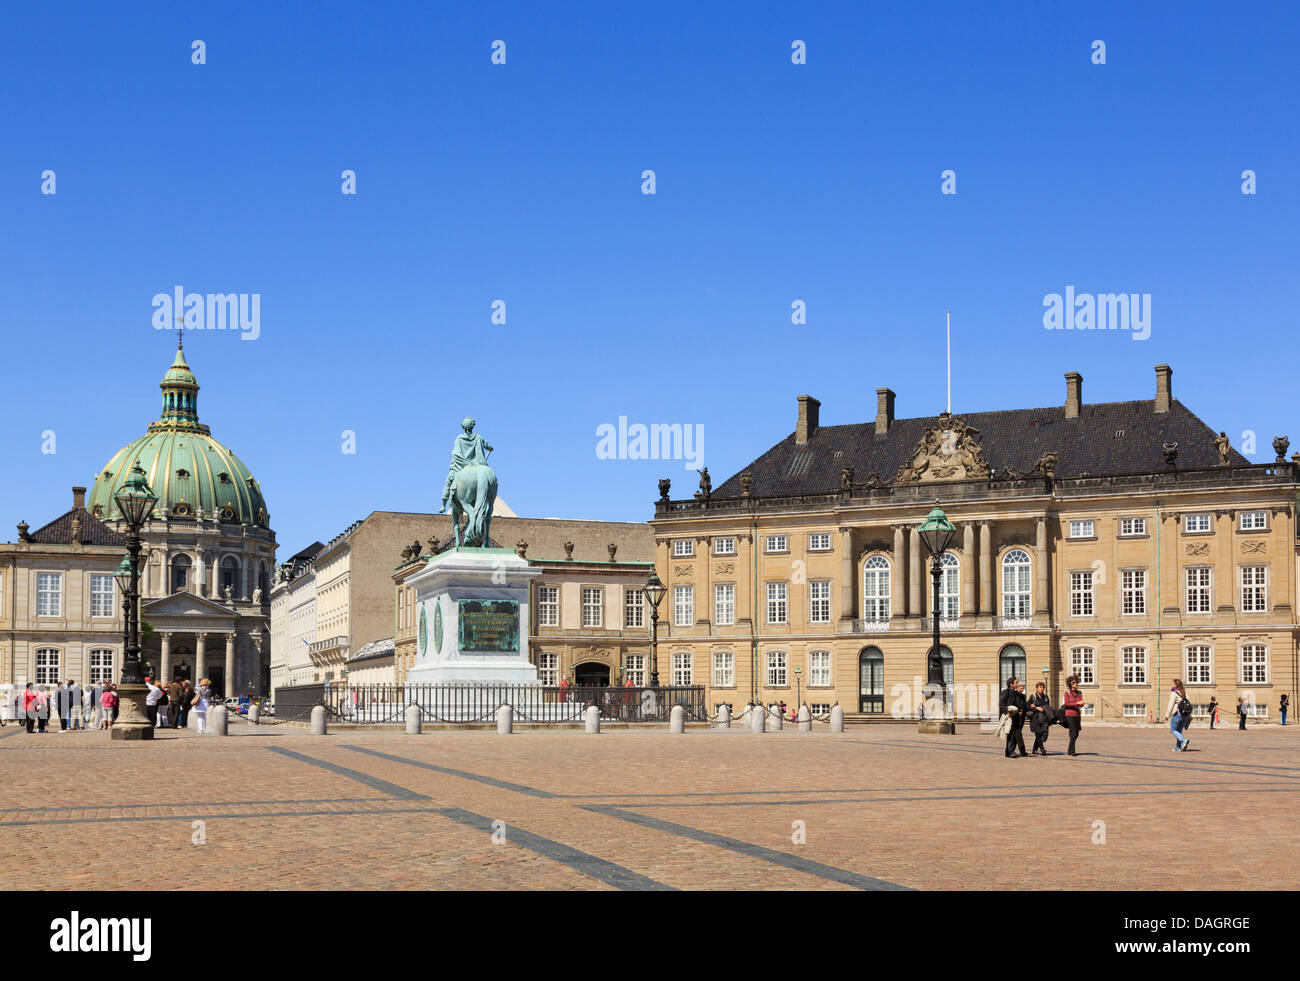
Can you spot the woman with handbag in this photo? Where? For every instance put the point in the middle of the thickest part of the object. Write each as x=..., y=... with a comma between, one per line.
x=1073, y=704
x=1040, y=718
x=1179, y=714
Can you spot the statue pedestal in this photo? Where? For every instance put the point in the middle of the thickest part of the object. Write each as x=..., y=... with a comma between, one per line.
x=472, y=617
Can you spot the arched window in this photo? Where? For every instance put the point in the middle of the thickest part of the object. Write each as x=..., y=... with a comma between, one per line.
x=180, y=572
x=871, y=681
x=1012, y=664
x=875, y=590
x=950, y=588
x=1015, y=585
x=229, y=574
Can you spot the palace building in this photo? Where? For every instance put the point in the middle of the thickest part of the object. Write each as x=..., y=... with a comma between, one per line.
x=1124, y=542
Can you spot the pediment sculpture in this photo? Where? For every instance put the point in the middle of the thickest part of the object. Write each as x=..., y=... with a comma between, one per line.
x=949, y=451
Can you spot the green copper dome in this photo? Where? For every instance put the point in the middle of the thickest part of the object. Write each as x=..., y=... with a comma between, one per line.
x=193, y=475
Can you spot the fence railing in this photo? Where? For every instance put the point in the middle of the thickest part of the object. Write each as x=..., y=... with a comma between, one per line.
x=468, y=703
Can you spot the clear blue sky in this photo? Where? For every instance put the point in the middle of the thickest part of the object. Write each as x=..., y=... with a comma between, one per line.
x=521, y=182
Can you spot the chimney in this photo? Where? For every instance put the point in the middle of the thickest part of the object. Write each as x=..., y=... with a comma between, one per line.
x=884, y=410
x=1073, y=394
x=79, y=497
x=807, y=425
x=1164, y=394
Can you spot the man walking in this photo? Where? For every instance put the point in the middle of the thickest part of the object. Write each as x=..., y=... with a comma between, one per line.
x=63, y=704
x=187, y=699
x=75, y=699
x=1012, y=703
x=174, y=693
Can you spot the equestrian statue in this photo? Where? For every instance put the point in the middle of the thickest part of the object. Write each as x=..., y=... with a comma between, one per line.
x=471, y=487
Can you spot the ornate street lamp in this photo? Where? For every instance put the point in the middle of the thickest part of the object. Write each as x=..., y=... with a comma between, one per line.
x=798, y=679
x=654, y=592
x=937, y=532
x=135, y=500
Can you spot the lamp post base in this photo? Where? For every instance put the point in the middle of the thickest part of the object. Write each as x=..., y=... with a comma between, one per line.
x=132, y=724
x=937, y=727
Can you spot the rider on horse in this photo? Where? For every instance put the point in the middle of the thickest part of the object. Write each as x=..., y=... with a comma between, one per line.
x=469, y=448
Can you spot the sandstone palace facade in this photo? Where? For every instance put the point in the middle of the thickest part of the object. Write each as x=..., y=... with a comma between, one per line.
x=1124, y=542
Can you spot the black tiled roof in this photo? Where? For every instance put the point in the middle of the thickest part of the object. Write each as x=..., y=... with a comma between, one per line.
x=1089, y=445
x=93, y=531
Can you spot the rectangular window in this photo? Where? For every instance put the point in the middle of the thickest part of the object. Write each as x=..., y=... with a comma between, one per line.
x=682, y=669
x=1198, y=589
x=777, y=606
x=683, y=547
x=1082, y=529
x=1081, y=594
x=548, y=606
x=47, y=666
x=634, y=669
x=777, y=543
x=633, y=608
x=101, y=666
x=1089, y=710
x=1133, y=592
x=819, y=708
x=1135, y=710
x=819, y=668
x=777, y=666
x=593, y=606
x=724, y=605
x=1132, y=526
x=1083, y=662
x=101, y=595
x=724, y=546
x=1196, y=523
x=683, y=606
x=819, y=542
x=1133, y=662
x=724, y=669
x=548, y=669
x=1254, y=664
x=1254, y=589
x=1197, y=670
x=49, y=594
x=1254, y=520
x=819, y=601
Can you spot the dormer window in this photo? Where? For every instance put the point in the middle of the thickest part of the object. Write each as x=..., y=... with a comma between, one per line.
x=183, y=474
x=223, y=477
x=227, y=513
x=182, y=509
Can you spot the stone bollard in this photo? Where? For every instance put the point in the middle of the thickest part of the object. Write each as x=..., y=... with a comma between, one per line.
x=837, y=719
x=677, y=719
x=414, y=720
x=505, y=720
x=757, y=716
x=254, y=713
x=593, y=718
x=724, y=717
x=774, y=718
x=805, y=718
x=219, y=721
x=318, y=724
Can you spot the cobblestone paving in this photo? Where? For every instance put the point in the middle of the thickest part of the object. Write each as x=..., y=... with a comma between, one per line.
x=878, y=807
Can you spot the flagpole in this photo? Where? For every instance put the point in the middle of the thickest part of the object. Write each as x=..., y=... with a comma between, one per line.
x=948, y=336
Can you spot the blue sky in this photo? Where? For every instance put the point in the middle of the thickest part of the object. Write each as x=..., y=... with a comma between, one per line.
x=522, y=182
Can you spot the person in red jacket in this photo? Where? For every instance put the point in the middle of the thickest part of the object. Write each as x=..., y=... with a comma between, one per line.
x=29, y=707
x=1073, y=704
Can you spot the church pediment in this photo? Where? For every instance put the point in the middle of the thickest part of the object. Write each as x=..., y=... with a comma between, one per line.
x=949, y=451
x=184, y=604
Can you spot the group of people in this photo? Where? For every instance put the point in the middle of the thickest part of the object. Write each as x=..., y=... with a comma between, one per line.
x=97, y=707
x=1015, y=708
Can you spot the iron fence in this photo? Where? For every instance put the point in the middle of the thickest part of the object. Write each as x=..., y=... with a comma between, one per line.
x=469, y=703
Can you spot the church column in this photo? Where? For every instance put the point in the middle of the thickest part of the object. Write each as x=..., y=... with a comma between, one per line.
x=229, y=683
x=200, y=658
x=914, y=607
x=704, y=608
x=243, y=578
x=1042, y=599
x=968, y=569
x=897, y=594
x=986, y=569
x=165, y=659
x=847, y=607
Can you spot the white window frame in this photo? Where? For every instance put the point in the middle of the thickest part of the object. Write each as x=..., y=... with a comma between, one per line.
x=724, y=546
x=877, y=583
x=548, y=606
x=548, y=668
x=1203, y=589
x=778, y=669
x=1252, y=664
x=1083, y=593
x=49, y=595
x=682, y=668
x=593, y=606
x=683, y=548
x=819, y=607
x=1083, y=664
x=1201, y=670
x=100, y=662
x=1083, y=528
x=777, y=544
x=949, y=589
x=819, y=669
x=1133, y=664
x=102, y=588
x=1133, y=592
x=634, y=669
x=724, y=604
x=49, y=666
x=1132, y=527
x=778, y=602
x=1192, y=523
x=1258, y=522
x=1135, y=710
x=815, y=537
x=1253, y=580
x=724, y=669
x=633, y=607
x=683, y=606
x=1017, y=596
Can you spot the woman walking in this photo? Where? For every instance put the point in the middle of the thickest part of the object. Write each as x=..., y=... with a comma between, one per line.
x=1073, y=704
x=1040, y=718
x=1179, y=714
x=201, y=705
x=1012, y=704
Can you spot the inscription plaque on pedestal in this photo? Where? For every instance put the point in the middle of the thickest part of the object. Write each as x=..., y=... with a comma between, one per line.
x=488, y=625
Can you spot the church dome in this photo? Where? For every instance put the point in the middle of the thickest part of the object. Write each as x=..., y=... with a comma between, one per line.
x=193, y=475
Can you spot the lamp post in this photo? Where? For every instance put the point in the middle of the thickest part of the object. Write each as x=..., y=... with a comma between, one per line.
x=135, y=500
x=937, y=532
x=798, y=699
x=654, y=592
